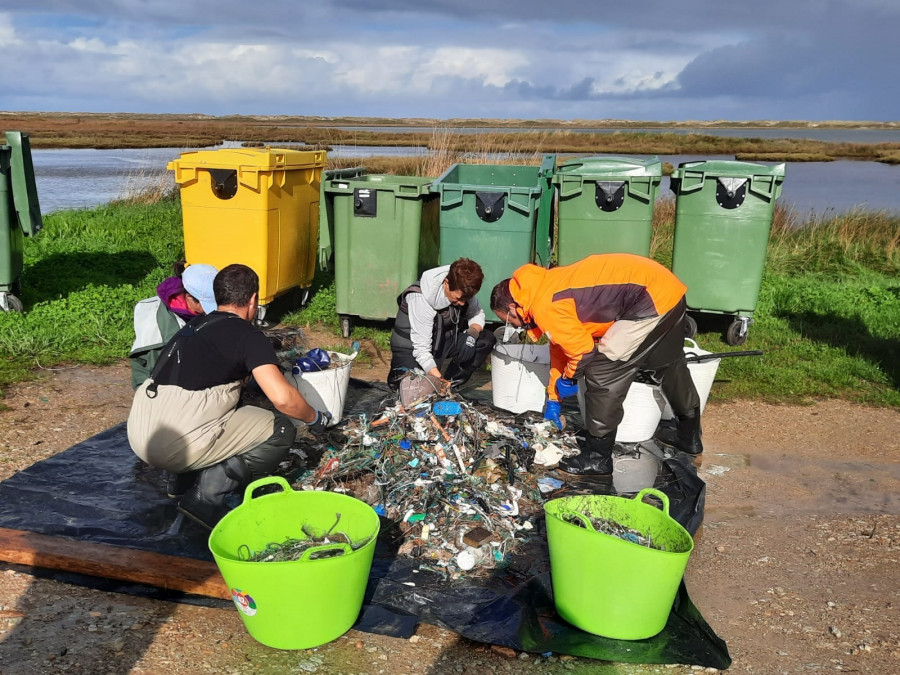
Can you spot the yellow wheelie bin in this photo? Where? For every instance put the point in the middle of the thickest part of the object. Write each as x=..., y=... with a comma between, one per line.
x=255, y=206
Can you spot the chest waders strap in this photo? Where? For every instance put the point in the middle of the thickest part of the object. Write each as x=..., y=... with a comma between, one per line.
x=173, y=350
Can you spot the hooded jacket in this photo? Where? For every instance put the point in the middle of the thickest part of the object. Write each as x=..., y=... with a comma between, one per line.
x=423, y=306
x=575, y=305
x=155, y=323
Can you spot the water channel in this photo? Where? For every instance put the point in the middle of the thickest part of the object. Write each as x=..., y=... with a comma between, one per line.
x=69, y=179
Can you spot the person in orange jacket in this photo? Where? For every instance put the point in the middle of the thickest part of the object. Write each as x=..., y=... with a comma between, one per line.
x=607, y=317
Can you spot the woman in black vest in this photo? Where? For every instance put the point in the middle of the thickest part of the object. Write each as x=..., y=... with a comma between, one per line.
x=439, y=318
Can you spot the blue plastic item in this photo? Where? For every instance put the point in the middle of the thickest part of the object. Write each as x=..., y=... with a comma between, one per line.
x=320, y=357
x=305, y=365
x=446, y=408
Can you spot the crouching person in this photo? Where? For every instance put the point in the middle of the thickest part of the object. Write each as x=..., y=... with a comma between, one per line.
x=185, y=417
x=439, y=318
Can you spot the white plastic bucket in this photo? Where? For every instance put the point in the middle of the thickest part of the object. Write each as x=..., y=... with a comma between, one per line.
x=703, y=374
x=634, y=471
x=326, y=389
x=519, y=376
x=642, y=409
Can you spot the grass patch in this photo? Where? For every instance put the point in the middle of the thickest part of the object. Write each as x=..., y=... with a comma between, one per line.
x=828, y=317
x=83, y=274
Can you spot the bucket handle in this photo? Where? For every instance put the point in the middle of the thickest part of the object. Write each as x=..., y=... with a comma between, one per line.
x=661, y=496
x=268, y=480
x=345, y=549
x=693, y=343
x=579, y=516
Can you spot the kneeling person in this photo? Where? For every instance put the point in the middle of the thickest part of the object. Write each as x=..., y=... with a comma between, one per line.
x=186, y=419
x=439, y=318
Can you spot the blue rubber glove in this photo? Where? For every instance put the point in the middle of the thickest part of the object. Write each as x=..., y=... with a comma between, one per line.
x=552, y=412
x=566, y=387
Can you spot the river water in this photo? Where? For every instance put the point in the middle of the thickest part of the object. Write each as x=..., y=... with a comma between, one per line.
x=69, y=179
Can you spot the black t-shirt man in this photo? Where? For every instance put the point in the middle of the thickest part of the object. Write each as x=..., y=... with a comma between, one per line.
x=217, y=349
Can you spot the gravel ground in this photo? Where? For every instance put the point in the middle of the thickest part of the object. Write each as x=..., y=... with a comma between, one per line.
x=796, y=564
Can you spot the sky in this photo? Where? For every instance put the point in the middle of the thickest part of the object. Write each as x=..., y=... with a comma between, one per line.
x=519, y=59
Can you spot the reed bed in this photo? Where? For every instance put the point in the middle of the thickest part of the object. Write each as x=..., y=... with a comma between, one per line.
x=97, y=130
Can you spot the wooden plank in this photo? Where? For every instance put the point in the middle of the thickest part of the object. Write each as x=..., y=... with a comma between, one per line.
x=188, y=575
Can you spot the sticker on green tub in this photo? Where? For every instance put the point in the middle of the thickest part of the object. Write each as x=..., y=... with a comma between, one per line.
x=244, y=601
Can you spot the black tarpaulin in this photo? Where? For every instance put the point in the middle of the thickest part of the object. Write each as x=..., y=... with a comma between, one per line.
x=100, y=491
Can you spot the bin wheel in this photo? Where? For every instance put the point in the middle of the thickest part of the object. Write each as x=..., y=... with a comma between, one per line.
x=737, y=333
x=690, y=326
x=10, y=303
x=346, y=326
x=260, y=320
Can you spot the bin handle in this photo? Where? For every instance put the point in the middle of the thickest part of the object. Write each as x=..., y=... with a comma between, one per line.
x=640, y=180
x=691, y=181
x=763, y=185
x=268, y=480
x=524, y=201
x=661, y=496
x=570, y=185
x=345, y=549
x=410, y=188
x=450, y=197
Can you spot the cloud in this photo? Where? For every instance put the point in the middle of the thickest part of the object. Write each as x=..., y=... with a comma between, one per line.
x=654, y=60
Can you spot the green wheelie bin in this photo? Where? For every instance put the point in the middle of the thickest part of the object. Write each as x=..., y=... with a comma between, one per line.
x=723, y=216
x=20, y=215
x=490, y=213
x=385, y=235
x=605, y=206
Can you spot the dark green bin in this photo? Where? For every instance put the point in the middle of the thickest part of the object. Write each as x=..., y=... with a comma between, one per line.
x=497, y=215
x=385, y=234
x=723, y=216
x=20, y=215
x=605, y=206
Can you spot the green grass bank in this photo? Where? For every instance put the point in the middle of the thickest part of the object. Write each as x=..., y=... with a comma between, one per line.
x=828, y=317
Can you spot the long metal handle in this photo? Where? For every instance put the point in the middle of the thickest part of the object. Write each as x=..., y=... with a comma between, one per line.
x=697, y=358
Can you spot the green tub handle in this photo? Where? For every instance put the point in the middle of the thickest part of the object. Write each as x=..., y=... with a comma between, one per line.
x=268, y=480
x=345, y=548
x=661, y=496
x=580, y=516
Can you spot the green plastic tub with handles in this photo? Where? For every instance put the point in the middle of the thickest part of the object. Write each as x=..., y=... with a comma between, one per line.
x=609, y=586
x=302, y=603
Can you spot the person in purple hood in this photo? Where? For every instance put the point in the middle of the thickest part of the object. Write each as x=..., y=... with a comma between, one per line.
x=156, y=320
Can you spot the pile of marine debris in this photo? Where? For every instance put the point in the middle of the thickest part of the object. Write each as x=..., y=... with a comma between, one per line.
x=462, y=480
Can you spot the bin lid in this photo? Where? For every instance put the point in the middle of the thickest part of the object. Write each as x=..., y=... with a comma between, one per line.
x=410, y=186
x=259, y=159
x=724, y=167
x=22, y=182
x=611, y=165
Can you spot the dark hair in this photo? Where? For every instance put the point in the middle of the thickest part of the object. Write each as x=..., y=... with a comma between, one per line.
x=465, y=275
x=501, y=298
x=179, y=267
x=235, y=285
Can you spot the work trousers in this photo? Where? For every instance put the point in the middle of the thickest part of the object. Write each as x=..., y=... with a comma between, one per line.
x=263, y=459
x=661, y=355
